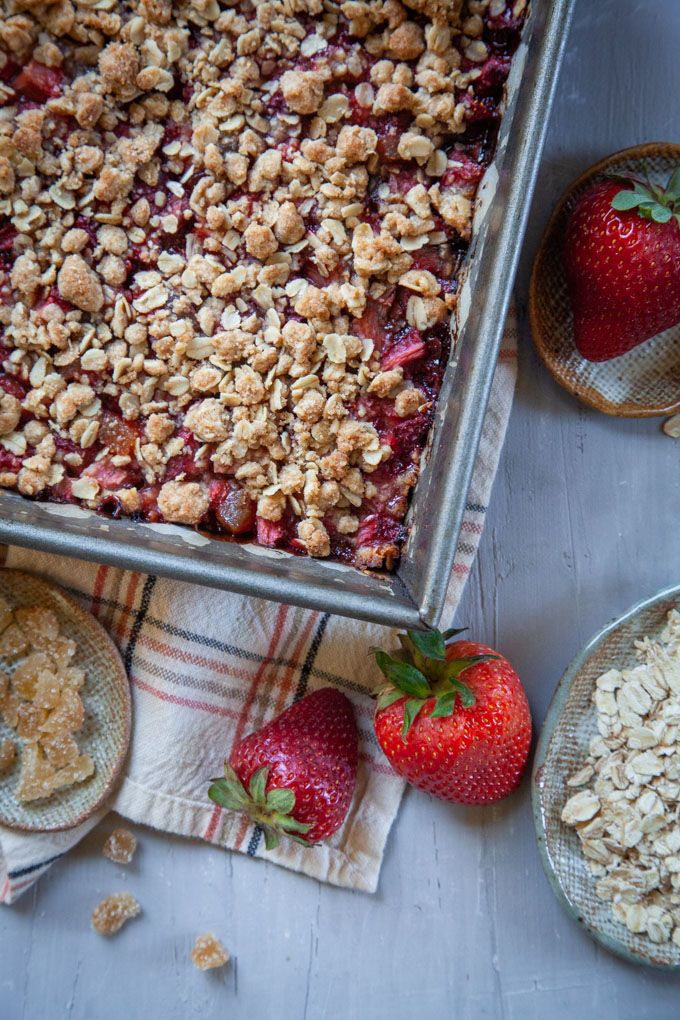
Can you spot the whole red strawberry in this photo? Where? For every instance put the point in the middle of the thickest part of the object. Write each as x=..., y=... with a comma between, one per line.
x=622, y=259
x=453, y=719
x=295, y=777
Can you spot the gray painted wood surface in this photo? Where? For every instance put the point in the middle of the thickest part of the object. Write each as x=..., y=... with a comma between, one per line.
x=584, y=522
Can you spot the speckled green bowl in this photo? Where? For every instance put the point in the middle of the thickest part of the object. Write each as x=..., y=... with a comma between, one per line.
x=568, y=727
x=105, y=734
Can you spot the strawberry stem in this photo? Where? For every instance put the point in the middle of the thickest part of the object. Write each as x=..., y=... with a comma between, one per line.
x=270, y=809
x=419, y=671
x=651, y=201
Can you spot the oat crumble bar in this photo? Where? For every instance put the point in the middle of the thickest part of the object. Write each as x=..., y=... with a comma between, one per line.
x=230, y=234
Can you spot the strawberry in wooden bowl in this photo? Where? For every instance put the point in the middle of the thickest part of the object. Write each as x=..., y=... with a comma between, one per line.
x=453, y=718
x=622, y=257
x=604, y=296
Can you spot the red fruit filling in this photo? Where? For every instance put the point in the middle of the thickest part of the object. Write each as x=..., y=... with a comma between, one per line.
x=270, y=533
x=38, y=83
x=233, y=508
x=407, y=347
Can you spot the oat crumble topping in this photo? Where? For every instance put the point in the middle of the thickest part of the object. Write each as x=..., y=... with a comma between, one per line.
x=230, y=234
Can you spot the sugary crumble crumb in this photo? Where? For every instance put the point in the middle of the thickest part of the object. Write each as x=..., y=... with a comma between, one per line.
x=120, y=846
x=110, y=915
x=208, y=953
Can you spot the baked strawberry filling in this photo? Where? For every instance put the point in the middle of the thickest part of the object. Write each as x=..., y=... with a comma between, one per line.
x=230, y=239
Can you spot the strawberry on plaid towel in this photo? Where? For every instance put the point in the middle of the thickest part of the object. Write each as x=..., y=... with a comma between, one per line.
x=207, y=667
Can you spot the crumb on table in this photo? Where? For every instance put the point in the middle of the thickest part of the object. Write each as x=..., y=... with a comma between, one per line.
x=208, y=953
x=120, y=846
x=110, y=915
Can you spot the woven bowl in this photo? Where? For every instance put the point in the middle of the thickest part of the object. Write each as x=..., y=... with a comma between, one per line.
x=105, y=734
x=645, y=381
x=568, y=728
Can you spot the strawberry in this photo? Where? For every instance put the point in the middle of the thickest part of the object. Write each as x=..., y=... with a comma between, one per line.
x=453, y=718
x=295, y=777
x=622, y=259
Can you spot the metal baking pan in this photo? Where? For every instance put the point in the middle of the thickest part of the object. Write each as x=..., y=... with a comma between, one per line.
x=414, y=594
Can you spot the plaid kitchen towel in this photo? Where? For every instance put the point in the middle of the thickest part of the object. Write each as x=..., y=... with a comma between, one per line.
x=207, y=667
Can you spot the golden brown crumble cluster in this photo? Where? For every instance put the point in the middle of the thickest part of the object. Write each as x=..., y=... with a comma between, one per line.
x=229, y=237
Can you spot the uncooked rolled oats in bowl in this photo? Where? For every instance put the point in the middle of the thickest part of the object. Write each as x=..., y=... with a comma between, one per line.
x=606, y=786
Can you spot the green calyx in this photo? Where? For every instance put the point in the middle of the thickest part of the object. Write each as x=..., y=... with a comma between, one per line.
x=420, y=671
x=271, y=810
x=651, y=201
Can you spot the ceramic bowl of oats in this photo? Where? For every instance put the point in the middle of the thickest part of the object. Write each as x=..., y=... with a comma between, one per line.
x=606, y=785
x=64, y=708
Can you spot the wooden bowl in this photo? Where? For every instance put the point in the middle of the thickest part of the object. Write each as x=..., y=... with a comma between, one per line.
x=645, y=381
x=105, y=735
x=569, y=725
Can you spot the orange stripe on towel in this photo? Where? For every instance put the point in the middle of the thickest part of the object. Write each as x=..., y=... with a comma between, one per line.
x=99, y=581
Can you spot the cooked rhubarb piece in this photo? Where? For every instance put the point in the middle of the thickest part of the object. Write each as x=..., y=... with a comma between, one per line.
x=37, y=82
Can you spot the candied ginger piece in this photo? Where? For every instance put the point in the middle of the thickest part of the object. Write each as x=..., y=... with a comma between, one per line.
x=62, y=651
x=61, y=749
x=76, y=772
x=29, y=720
x=110, y=915
x=13, y=642
x=36, y=776
x=208, y=952
x=8, y=753
x=5, y=613
x=68, y=716
x=25, y=676
x=73, y=677
x=47, y=690
x=10, y=710
x=40, y=626
x=120, y=846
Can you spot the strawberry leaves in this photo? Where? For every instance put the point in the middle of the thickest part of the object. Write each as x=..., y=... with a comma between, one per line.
x=272, y=810
x=651, y=201
x=406, y=677
x=430, y=643
x=388, y=697
x=420, y=671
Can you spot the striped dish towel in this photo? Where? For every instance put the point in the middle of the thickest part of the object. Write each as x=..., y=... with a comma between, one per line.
x=208, y=667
